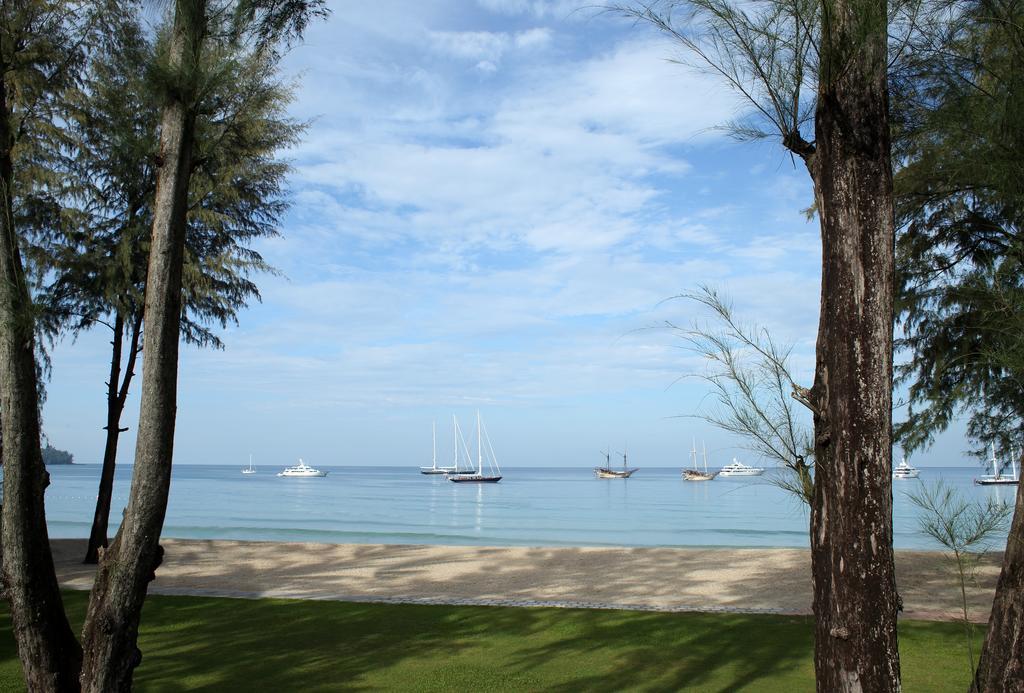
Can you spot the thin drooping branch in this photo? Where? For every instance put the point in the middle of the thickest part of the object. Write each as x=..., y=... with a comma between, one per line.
x=749, y=374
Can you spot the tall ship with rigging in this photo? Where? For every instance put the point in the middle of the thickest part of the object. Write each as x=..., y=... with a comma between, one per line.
x=609, y=472
x=695, y=474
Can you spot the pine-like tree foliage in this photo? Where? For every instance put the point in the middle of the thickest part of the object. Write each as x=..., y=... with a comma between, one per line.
x=77, y=157
x=960, y=192
x=41, y=48
x=237, y=191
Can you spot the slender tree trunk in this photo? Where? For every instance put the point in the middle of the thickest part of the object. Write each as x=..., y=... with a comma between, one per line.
x=1001, y=667
x=117, y=393
x=855, y=599
x=129, y=564
x=51, y=657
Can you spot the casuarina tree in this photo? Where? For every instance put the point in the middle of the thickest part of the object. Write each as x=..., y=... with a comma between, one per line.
x=959, y=134
x=236, y=195
x=815, y=74
x=42, y=45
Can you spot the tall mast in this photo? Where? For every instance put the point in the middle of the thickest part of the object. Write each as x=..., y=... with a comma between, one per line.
x=693, y=453
x=455, y=443
x=479, y=448
x=995, y=469
x=433, y=432
x=705, y=446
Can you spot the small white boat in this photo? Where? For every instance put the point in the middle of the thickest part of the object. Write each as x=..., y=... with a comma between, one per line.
x=695, y=474
x=249, y=469
x=302, y=470
x=737, y=468
x=905, y=471
x=995, y=478
x=434, y=469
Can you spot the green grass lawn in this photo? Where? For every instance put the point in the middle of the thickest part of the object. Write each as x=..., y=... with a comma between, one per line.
x=192, y=643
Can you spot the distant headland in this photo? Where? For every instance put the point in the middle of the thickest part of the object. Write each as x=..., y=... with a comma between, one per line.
x=52, y=455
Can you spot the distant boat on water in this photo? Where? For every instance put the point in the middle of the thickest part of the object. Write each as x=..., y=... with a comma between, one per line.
x=301, y=470
x=607, y=472
x=249, y=469
x=478, y=476
x=434, y=469
x=695, y=474
x=904, y=471
x=996, y=478
x=737, y=468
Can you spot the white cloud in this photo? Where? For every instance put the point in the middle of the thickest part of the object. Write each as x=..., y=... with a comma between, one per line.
x=496, y=214
x=532, y=38
x=487, y=48
x=558, y=9
x=471, y=45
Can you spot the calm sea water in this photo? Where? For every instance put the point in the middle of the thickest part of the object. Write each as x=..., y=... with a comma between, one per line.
x=530, y=507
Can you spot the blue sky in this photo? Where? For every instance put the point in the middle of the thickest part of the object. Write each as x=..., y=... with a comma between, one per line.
x=491, y=204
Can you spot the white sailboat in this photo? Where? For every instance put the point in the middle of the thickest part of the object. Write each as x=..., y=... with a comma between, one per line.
x=695, y=474
x=249, y=469
x=433, y=468
x=478, y=476
x=996, y=478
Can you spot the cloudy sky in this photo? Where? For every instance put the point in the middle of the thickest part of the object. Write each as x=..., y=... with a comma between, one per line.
x=492, y=203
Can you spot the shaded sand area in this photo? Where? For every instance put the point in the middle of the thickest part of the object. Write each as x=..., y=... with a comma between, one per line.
x=669, y=579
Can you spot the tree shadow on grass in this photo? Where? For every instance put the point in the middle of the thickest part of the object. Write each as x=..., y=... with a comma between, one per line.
x=221, y=644
x=199, y=643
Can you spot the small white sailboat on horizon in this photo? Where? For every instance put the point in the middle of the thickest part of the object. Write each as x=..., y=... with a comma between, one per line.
x=996, y=478
x=249, y=469
x=433, y=468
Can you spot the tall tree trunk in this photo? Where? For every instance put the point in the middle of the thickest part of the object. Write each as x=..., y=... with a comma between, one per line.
x=51, y=657
x=129, y=564
x=855, y=599
x=117, y=393
x=1001, y=667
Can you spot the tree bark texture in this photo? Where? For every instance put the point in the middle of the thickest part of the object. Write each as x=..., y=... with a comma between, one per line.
x=1001, y=667
x=117, y=393
x=51, y=657
x=129, y=564
x=855, y=599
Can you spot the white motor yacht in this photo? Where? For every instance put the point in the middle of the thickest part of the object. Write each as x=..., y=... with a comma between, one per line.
x=904, y=471
x=301, y=469
x=737, y=468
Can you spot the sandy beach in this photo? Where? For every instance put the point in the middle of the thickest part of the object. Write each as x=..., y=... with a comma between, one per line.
x=664, y=579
